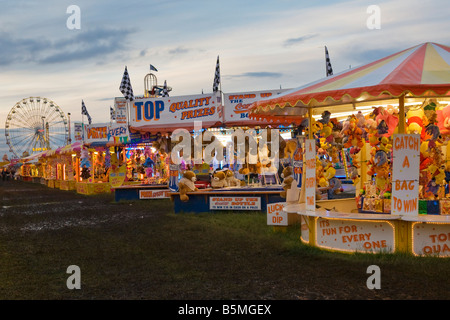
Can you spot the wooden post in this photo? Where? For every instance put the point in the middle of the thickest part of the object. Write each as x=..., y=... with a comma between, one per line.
x=401, y=114
x=301, y=198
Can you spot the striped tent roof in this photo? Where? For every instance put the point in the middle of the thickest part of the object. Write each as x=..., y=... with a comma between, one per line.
x=420, y=71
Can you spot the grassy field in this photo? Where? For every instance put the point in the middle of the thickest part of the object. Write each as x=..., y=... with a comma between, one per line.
x=142, y=250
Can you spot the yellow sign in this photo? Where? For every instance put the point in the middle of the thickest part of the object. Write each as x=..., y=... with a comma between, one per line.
x=117, y=177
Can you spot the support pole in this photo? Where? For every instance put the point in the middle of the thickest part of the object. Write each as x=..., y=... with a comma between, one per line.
x=301, y=198
x=401, y=114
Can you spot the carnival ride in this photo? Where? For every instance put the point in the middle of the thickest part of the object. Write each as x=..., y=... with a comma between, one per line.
x=34, y=125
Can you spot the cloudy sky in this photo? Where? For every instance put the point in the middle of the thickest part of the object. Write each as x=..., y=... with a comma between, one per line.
x=262, y=45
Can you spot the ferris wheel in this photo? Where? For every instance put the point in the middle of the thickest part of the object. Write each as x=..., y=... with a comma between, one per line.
x=35, y=124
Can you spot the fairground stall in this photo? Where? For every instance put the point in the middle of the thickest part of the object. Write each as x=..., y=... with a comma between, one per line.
x=152, y=120
x=209, y=126
x=392, y=116
x=32, y=168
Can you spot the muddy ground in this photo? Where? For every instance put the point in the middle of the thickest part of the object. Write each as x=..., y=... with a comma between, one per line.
x=142, y=250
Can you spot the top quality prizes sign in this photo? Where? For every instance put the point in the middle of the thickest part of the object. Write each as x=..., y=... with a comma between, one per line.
x=405, y=174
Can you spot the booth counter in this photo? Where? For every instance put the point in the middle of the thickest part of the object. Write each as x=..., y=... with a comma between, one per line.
x=141, y=192
x=228, y=199
x=344, y=231
x=90, y=188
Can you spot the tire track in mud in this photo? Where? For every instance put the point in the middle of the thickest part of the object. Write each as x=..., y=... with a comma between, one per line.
x=32, y=208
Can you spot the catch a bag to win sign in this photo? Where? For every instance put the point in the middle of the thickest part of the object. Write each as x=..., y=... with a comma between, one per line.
x=405, y=174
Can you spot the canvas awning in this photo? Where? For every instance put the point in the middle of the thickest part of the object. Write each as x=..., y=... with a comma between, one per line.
x=418, y=72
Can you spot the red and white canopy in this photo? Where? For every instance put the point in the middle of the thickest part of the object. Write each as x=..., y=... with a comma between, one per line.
x=420, y=71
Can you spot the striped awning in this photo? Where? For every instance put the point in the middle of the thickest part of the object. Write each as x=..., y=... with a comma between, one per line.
x=70, y=148
x=420, y=71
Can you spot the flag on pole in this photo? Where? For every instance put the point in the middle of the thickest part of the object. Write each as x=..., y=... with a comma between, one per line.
x=165, y=93
x=125, y=86
x=152, y=68
x=328, y=63
x=216, y=77
x=112, y=113
x=85, y=112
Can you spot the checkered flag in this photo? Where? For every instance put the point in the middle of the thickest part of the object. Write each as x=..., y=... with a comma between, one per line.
x=125, y=86
x=328, y=63
x=85, y=112
x=112, y=113
x=216, y=77
x=165, y=93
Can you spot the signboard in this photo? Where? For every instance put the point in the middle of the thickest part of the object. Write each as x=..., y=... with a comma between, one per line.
x=118, y=133
x=236, y=104
x=431, y=239
x=96, y=133
x=355, y=235
x=120, y=108
x=275, y=214
x=115, y=133
x=175, y=112
x=154, y=194
x=117, y=177
x=405, y=174
x=310, y=174
x=234, y=203
x=78, y=131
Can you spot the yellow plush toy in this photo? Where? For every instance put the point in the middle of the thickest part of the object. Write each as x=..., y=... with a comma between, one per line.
x=385, y=144
x=187, y=184
x=415, y=119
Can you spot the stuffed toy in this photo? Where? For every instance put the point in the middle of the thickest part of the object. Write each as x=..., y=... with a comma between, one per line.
x=281, y=145
x=387, y=121
x=329, y=172
x=232, y=181
x=161, y=144
x=219, y=180
x=288, y=178
x=415, y=119
x=291, y=147
x=187, y=184
x=250, y=169
x=430, y=114
x=443, y=120
x=433, y=135
x=354, y=134
x=385, y=144
x=353, y=174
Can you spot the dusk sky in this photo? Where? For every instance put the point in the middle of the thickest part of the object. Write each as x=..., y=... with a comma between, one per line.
x=262, y=45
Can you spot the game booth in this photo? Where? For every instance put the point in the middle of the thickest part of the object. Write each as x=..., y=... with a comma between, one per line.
x=212, y=128
x=392, y=118
x=32, y=168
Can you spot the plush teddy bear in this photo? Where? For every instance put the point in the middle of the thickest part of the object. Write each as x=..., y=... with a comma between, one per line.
x=187, y=184
x=232, y=180
x=288, y=178
x=219, y=180
x=291, y=147
x=254, y=168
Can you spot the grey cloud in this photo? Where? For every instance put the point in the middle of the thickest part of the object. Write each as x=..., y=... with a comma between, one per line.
x=178, y=50
x=261, y=74
x=293, y=41
x=362, y=56
x=86, y=44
